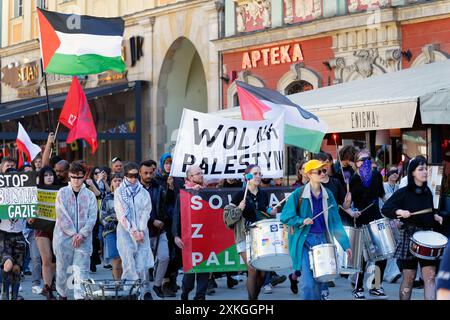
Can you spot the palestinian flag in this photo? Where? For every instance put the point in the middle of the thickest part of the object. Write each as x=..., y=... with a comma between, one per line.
x=79, y=45
x=302, y=128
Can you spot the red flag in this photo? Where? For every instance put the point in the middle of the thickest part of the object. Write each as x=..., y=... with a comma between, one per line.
x=69, y=112
x=81, y=123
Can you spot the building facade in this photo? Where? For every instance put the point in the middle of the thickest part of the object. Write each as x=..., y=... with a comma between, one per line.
x=171, y=64
x=298, y=45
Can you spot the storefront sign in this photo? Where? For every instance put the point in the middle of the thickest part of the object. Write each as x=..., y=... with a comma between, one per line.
x=369, y=119
x=111, y=77
x=209, y=245
x=21, y=76
x=393, y=115
x=223, y=147
x=272, y=56
x=18, y=195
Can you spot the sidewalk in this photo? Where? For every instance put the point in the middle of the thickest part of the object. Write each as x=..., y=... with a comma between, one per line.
x=342, y=291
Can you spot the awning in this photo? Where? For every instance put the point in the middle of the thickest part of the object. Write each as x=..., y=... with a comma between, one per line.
x=17, y=109
x=388, y=101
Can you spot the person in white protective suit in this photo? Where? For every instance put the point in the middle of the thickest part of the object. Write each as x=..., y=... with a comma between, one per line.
x=133, y=207
x=76, y=214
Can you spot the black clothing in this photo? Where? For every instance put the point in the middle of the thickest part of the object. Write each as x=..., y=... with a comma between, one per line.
x=349, y=173
x=339, y=193
x=157, y=196
x=408, y=199
x=411, y=198
x=255, y=204
x=362, y=197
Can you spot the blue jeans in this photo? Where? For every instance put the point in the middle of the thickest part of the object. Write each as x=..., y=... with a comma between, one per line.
x=310, y=288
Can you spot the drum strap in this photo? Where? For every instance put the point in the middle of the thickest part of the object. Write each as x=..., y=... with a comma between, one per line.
x=300, y=199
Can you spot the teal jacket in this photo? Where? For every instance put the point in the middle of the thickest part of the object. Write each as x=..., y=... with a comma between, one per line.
x=292, y=218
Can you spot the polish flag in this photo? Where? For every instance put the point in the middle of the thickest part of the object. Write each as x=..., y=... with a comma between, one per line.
x=24, y=145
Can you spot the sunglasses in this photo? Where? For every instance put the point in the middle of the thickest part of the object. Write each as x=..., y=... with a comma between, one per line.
x=77, y=177
x=132, y=175
x=97, y=172
x=393, y=171
x=320, y=171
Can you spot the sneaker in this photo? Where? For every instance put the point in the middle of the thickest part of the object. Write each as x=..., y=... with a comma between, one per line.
x=294, y=284
x=36, y=289
x=20, y=288
x=358, y=294
x=331, y=284
x=159, y=292
x=326, y=295
x=379, y=293
x=108, y=266
x=267, y=289
x=276, y=279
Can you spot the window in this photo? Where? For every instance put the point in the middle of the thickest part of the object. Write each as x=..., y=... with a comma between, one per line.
x=18, y=8
x=298, y=86
x=41, y=4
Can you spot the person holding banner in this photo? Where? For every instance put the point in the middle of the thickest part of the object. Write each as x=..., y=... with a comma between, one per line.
x=312, y=215
x=133, y=206
x=416, y=196
x=194, y=180
x=76, y=214
x=12, y=251
x=245, y=208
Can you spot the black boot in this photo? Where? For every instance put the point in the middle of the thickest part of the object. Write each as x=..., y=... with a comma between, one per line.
x=15, y=291
x=5, y=289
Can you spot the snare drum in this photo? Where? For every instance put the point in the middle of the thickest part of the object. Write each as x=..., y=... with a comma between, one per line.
x=267, y=245
x=323, y=262
x=428, y=245
x=353, y=265
x=379, y=241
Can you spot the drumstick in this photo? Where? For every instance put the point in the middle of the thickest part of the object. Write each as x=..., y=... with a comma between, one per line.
x=366, y=208
x=317, y=215
x=422, y=211
x=281, y=202
x=248, y=177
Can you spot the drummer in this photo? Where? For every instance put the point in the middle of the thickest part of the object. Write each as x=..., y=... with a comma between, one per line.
x=305, y=203
x=244, y=212
x=414, y=197
x=366, y=187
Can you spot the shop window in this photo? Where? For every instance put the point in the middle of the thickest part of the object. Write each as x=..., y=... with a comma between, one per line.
x=298, y=86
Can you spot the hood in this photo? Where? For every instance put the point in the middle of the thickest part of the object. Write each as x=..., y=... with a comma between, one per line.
x=161, y=161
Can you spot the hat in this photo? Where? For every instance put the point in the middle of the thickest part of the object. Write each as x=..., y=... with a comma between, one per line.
x=115, y=159
x=313, y=165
